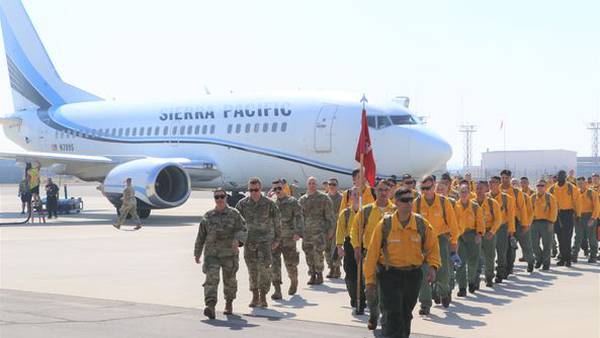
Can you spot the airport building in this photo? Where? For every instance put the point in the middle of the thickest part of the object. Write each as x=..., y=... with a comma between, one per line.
x=531, y=163
x=586, y=166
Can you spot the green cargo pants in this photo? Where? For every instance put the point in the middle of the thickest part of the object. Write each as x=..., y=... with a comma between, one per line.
x=501, y=249
x=545, y=230
x=488, y=256
x=468, y=251
x=581, y=230
x=441, y=285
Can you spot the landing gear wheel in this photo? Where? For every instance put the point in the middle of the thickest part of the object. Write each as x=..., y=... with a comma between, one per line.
x=234, y=198
x=144, y=213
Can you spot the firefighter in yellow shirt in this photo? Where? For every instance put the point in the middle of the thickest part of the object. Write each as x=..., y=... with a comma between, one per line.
x=571, y=177
x=345, y=250
x=492, y=217
x=402, y=253
x=504, y=235
x=567, y=197
x=370, y=215
x=367, y=192
x=544, y=208
x=589, y=212
x=439, y=212
x=522, y=223
x=525, y=188
x=469, y=216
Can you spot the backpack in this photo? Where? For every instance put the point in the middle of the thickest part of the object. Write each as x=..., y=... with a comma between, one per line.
x=442, y=201
x=569, y=191
x=534, y=197
x=387, y=228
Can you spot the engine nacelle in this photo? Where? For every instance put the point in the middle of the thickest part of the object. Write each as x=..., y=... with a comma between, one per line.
x=158, y=183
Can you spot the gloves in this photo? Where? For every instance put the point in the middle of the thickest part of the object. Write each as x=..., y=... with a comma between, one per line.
x=513, y=242
x=455, y=260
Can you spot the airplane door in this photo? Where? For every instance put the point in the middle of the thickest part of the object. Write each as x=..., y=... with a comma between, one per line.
x=323, y=128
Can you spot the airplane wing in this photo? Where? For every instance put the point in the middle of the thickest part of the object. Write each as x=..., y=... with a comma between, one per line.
x=198, y=169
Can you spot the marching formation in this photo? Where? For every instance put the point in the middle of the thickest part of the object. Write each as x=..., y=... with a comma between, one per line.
x=397, y=245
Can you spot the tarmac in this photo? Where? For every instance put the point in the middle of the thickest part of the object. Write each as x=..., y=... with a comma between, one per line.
x=77, y=275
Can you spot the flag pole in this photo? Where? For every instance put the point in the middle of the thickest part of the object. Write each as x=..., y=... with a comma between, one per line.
x=361, y=224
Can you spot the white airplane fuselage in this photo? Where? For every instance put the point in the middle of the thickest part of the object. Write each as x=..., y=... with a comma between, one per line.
x=293, y=136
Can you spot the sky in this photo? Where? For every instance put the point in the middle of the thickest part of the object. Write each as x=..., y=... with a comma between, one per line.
x=533, y=64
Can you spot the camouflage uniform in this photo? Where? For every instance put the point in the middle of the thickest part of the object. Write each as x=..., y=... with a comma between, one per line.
x=292, y=223
x=264, y=229
x=129, y=207
x=330, y=244
x=216, y=235
x=318, y=224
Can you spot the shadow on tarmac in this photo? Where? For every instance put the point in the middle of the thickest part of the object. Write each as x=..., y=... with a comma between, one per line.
x=233, y=322
x=296, y=302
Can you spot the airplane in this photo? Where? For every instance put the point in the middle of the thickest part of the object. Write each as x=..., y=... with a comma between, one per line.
x=172, y=148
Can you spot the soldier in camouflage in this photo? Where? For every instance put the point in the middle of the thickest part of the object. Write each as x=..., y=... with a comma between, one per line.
x=264, y=235
x=336, y=198
x=318, y=227
x=129, y=207
x=220, y=233
x=292, y=227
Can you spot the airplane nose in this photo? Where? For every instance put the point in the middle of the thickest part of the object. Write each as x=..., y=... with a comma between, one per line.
x=431, y=149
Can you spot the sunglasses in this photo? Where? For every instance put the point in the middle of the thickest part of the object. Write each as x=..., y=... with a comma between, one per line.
x=277, y=189
x=426, y=188
x=218, y=197
x=405, y=199
x=254, y=190
x=540, y=185
x=332, y=184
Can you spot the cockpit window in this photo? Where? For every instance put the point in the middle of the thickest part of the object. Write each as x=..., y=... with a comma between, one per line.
x=371, y=122
x=383, y=122
x=402, y=119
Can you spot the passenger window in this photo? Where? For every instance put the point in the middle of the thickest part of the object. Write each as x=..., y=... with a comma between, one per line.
x=197, y=130
x=402, y=119
x=174, y=131
x=248, y=127
x=265, y=127
x=114, y=132
x=205, y=128
x=182, y=130
x=229, y=128
x=283, y=127
x=166, y=130
x=120, y=132
x=256, y=127
x=156, y=131
x=274, y=127
x=383, y=122
x=134, y=131
x=371, y=122
x=127, y=132
x=212, y=129
x=238, y=128
x=142, y=131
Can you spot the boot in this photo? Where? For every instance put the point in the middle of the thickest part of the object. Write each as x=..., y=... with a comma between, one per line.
x=331, y=273
x=277, y=293
x=228, y=307
x=446, y=301
x=209, y=312
x=424, y=311
x=489, y=282
x=472, y=288
x=293, y=287
x=462, y=292
x=338, y=272
x=530, y=267
x=263, y=300
x=312, y=279
x=254, y=301
x=538, y=264
x=319, y=278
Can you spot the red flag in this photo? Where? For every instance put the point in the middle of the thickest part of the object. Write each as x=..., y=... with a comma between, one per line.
x=364, y=148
